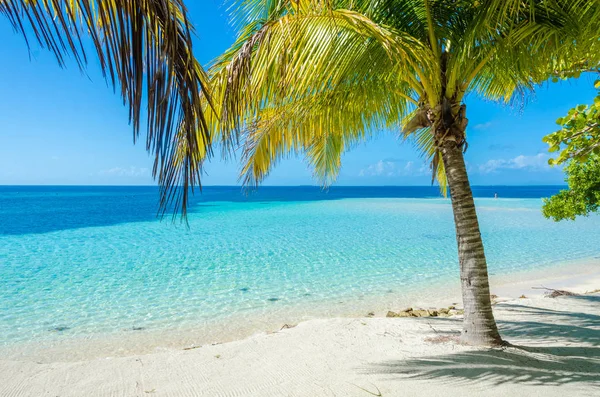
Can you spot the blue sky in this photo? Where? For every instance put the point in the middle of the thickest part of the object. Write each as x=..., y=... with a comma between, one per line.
x=60, y=126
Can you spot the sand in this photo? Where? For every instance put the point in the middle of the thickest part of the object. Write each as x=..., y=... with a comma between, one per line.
x=556, y=352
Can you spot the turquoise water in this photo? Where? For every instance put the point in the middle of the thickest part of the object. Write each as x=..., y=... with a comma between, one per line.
x=63, y=277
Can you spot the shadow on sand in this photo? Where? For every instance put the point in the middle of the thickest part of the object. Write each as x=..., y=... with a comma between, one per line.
x=553, y=347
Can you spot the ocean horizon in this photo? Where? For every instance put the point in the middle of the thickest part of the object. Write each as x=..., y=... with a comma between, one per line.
x=83, y=262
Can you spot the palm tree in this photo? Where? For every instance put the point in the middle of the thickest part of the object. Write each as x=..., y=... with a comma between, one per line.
x=314, y=77
x=145, y=48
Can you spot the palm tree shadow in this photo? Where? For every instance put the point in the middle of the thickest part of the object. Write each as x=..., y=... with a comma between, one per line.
x=558, y=347
x=592, y=298
x=578, y=317
x=546, y=325
x=533, y=366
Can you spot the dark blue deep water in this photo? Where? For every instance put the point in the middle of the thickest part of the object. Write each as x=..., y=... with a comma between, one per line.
x=41, y=209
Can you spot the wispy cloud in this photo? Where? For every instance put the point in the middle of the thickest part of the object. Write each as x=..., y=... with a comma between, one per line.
x=483, y=126
x=392, y=168
x=538, y=162
x=131, y=171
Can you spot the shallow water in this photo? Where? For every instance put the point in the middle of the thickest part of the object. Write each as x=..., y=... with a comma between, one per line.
x=84, y=262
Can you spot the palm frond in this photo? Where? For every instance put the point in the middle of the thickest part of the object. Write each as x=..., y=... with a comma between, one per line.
x=144, y=48
x=329, y=45
x=321, y=126
x=510, y=47
x=292, y=54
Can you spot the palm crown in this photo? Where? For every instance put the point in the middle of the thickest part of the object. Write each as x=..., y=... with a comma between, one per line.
x=317, y=76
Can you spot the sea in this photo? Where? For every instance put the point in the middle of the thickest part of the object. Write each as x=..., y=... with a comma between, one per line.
x=85, y=265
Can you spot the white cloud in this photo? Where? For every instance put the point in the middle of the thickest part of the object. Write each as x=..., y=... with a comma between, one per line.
x=379, y=169
x=538, y=162
x=389, y=168
x=132, y=171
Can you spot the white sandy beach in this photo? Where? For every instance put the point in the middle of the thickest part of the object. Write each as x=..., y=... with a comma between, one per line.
x=556, y=352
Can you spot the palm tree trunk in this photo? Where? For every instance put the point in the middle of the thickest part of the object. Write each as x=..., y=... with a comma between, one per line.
x=479, y=326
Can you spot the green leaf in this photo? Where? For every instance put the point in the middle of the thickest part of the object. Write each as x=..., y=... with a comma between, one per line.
x=582, y=197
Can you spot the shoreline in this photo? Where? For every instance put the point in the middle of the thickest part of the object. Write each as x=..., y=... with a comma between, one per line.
x=577, y=276
x=554, y=342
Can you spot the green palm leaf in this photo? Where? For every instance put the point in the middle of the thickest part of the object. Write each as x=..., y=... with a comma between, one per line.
x=293, y=53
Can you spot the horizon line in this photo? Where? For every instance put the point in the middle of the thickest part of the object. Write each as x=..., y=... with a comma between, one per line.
x=260, y=186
